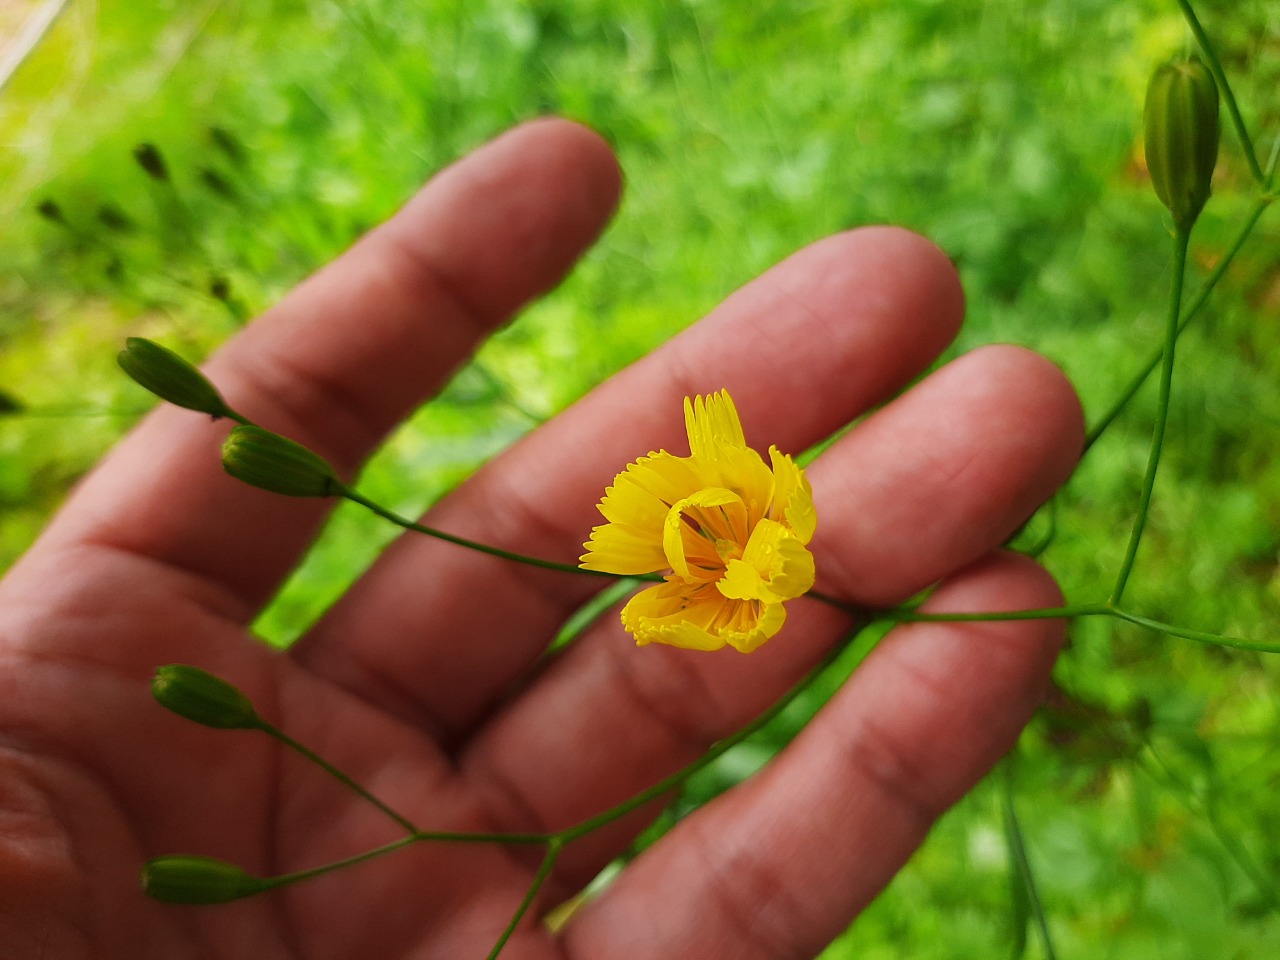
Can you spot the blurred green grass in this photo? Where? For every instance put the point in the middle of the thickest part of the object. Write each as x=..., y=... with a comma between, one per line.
x=1006, y=131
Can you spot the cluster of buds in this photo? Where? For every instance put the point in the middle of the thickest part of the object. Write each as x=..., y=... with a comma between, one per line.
x=251, y=454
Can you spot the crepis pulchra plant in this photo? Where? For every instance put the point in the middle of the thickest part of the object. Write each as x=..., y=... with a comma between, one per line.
x=1181, y=137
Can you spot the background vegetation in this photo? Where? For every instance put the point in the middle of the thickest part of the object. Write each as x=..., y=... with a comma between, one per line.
x=1007, y=130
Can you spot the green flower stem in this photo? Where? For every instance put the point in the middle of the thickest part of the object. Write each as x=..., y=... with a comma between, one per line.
x=1215, y=65
x=720, y=748
x=997, y=616
x=1200, y=636
x=284, y=879
x=1072, y=611
x=356, y=497
x=337, y=774
x=1180, y=239
x=544, y=871
x=1193, y=309
x=555, y=842
x=1018, y=854
x=836, y=602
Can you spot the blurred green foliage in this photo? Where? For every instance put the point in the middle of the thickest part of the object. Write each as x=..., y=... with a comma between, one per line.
x=1007, y=131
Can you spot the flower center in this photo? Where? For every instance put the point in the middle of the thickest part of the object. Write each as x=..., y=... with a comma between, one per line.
x=704, y=532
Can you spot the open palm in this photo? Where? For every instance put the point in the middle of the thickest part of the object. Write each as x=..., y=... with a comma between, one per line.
x=428, y=681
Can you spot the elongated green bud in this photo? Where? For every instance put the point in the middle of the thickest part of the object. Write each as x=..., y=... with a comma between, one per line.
x=170, y=377
x=1181, y=136
x=267, y=460
x=191, y=879
x=50, y=210
x=115, y=219
x=200, y=696
x=150, y=159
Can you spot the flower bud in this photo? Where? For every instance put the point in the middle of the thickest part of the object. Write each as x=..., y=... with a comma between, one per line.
x=151, y=161
x=115, y=219
x=228, y=143
x=170, y=377
x=267, y=460
x=1181, y=136
x=190, y=879
x=200, y=696
x=218, y=183
x=50, y=210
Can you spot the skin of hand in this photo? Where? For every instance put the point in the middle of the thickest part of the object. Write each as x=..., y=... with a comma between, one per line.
x=428, y=681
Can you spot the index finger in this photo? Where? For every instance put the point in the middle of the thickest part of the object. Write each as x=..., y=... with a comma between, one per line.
x=348, y=354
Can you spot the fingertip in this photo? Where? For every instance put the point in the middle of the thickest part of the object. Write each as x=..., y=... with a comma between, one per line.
x=895, y=278
x=916, y=263
x=567, y=146
x=546, y=188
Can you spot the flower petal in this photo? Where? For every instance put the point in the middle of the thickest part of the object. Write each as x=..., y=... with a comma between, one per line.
x=775, y=566
x=622, y=549
x=712, y=420
x=694, y=525
x=699, y=620
x=636, y=506
x=792, y=496
x=768, y=621
x=673, y=614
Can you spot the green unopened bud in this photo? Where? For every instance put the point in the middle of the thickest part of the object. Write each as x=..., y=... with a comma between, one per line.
x=217, y=183
x=191, y=879
x=267, y=460
x=50, y=210
x=170, y=377
x=150, y=160
x=1181, y=136
x=115, y=219
x=200, y=696
x=227, y=142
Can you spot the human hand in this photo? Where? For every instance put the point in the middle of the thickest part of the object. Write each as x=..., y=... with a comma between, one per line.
x=427, y=681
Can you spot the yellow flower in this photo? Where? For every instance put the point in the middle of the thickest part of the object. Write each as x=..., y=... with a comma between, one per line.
x=730, y=529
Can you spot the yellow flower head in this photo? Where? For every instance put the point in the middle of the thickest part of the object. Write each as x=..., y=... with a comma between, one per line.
x=730, y=529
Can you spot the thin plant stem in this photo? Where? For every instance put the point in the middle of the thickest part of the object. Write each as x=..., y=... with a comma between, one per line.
x=1181, y=237
x=719, y=749
x=356, y=497
x=1229, y=98
x=1271, y=166
x=284, y=879
x=996, y=616
x=1018, y=852
x=1193, y=309
x=338, y=775
x=544, y=871
x=1200, y=636
x=1080, y=610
